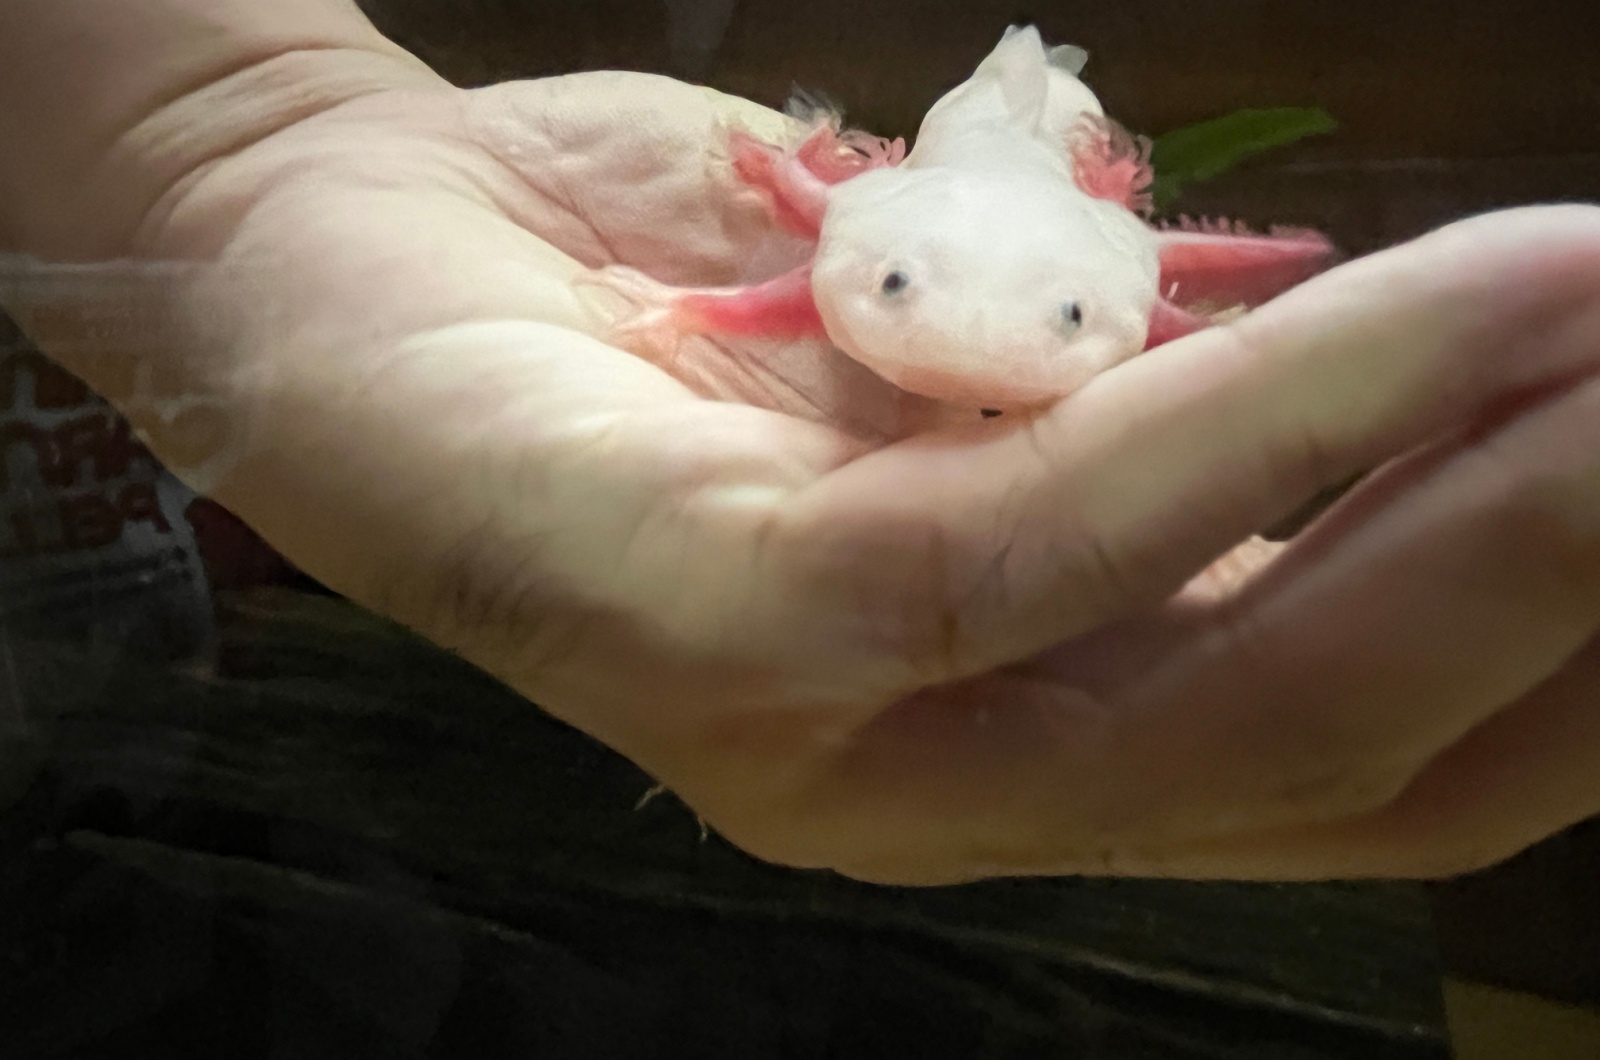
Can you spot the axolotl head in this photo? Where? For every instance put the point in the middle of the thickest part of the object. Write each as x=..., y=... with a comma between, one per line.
x=983, y=287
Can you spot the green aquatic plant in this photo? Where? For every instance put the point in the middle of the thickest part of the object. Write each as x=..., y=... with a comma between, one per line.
x=1209, y=148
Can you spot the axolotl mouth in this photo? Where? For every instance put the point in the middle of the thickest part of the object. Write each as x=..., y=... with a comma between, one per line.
x=994, y=393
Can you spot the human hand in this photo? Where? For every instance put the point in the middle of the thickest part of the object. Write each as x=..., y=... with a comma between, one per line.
x=911, y=656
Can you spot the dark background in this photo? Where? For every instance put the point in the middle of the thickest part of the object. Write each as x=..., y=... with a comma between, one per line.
x=1445, y=108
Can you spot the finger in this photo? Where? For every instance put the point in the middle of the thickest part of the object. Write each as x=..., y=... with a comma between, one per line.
x=1527, y=773
x=1524, y=775
x=1227, y=577
x=1392, y=629
x=981, y=548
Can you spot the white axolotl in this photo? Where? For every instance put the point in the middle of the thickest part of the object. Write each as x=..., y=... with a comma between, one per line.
x=1003, y=262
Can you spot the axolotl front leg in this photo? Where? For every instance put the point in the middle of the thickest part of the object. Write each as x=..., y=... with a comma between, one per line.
x=1209, y=268
x=662, y=315
x=794, y=184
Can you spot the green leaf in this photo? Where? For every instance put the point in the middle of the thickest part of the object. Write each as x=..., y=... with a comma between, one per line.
x=1199, y=152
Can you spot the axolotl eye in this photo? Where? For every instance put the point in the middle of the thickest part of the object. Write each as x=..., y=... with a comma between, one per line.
x=895, y=282
x=1071, y=318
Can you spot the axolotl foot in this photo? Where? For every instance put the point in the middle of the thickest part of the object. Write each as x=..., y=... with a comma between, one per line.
x=651, y=321
x=659, y=316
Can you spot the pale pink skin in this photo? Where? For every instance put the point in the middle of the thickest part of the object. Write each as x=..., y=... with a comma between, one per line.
x=1019, y=201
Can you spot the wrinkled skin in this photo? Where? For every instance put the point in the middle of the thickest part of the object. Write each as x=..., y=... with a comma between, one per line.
x=950, y=656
